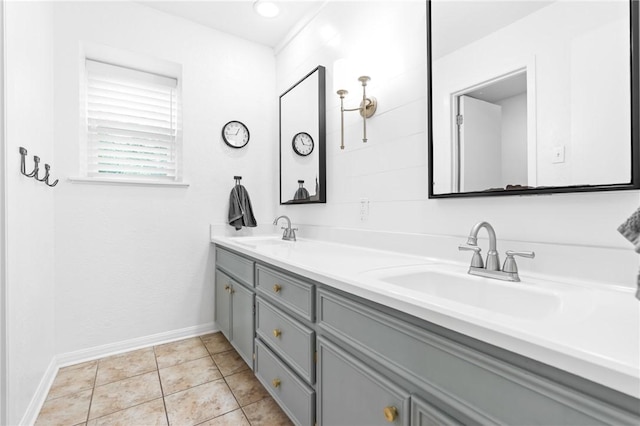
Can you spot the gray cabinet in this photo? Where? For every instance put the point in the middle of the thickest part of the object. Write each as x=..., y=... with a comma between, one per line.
x=376, y=365
x=286, y=340
x=223, y=303
x=350, y=393
x=294, y=342
x=296, y=398
x=234, y=302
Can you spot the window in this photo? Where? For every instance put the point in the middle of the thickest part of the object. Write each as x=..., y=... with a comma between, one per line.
x=132, y=123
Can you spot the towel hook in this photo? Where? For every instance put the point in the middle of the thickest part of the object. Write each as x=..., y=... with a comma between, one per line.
x=23, y=169
x=238, y=179
x=46, y=174
x=36, y=167
x=45, y=179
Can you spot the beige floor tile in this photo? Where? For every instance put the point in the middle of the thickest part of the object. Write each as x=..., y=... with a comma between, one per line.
x=216, y=343
x=67, y=410
x=188, y=374
x=234, y=418
x=125, y=393
x=246, y=388
x=266, y=412
x=200, y=403
x=229, y=362
x=73, y=379
x=177, y=352
x=125, y=365
x=149, y=413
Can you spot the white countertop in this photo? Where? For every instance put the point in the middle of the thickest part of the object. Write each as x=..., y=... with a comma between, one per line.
x=593, y=331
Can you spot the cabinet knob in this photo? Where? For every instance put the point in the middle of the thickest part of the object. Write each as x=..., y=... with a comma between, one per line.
x=277, y=288
x=276, y=332
x=390, y=413
x=227, y=287
x=275, y=383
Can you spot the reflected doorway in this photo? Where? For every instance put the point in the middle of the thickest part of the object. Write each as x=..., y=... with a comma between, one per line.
x=491, y=132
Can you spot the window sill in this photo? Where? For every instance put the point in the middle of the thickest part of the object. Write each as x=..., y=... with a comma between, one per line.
x=140, y=182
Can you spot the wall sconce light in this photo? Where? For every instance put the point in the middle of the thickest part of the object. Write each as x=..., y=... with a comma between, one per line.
x=367, y=107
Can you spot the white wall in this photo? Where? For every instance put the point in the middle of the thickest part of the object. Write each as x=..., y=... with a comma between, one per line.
x=391, y=170
x=30, y=204
x=133, y=261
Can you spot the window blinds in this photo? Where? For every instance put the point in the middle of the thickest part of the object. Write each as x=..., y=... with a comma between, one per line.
x=132, y=123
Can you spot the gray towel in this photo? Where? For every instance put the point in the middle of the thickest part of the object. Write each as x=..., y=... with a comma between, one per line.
x=301, y=194
x=240, y=210
x=631, y=231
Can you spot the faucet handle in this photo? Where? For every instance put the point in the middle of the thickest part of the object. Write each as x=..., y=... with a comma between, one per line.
x=476, y=260
x=510, y=263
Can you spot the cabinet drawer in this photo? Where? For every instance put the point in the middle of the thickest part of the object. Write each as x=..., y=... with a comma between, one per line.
x=292, y=341
x=478, y=388
x=235, y=265
x=289, y=292
x=293, y=395
x=350, y=393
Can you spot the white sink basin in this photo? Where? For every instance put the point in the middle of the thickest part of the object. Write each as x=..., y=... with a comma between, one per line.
x=452, y=283
x=257, y=242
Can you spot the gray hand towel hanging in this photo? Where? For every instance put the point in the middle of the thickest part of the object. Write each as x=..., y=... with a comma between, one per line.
x=240, y=210
x=630, y=229
x=301, y=193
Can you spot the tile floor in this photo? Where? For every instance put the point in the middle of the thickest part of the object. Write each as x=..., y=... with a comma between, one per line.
x=196, y=381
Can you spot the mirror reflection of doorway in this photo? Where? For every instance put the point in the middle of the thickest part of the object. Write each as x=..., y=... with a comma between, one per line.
x=490, y=124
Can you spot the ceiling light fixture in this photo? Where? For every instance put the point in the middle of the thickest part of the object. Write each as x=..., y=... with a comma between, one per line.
x=267, y=9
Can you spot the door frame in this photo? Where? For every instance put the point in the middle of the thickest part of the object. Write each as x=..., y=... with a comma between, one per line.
x=4, y=393
x=528, y=66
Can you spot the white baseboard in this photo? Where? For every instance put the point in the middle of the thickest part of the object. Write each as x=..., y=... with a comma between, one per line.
x=40, y=395
x=76, y=357
x=102, y=351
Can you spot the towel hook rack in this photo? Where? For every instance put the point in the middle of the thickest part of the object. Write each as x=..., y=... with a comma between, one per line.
x=238, y=179
x=36, y=168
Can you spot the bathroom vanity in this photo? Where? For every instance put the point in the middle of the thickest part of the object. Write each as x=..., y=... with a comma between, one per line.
x=335, y=346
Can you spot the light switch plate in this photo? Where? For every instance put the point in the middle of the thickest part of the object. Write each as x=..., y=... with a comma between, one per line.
x=364, y=209
x=558, y=154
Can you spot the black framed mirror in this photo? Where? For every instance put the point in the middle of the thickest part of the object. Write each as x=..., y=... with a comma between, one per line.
x=303, y=140
x=536, y=97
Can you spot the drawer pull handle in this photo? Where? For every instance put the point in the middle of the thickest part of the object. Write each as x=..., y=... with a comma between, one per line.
x=390, y=413
x=275, y=383
x=276, y=332
x=277, y=288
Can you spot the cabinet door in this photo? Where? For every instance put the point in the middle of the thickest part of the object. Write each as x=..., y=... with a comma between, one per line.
x=425, y=414
x=350, y=393
x=223, y=303
x=242, y=329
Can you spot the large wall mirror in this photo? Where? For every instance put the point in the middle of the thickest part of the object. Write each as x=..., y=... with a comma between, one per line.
x=302, y=140
x=530, y=97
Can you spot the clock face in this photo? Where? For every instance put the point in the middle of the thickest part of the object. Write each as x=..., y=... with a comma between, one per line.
x=235, y=134
x=302, y=144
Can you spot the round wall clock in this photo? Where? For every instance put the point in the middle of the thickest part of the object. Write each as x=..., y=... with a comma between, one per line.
x=302, y=144
x=235, y=134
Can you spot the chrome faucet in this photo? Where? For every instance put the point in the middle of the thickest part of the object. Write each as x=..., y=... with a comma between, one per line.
x=289, y=233
x=509, y=271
